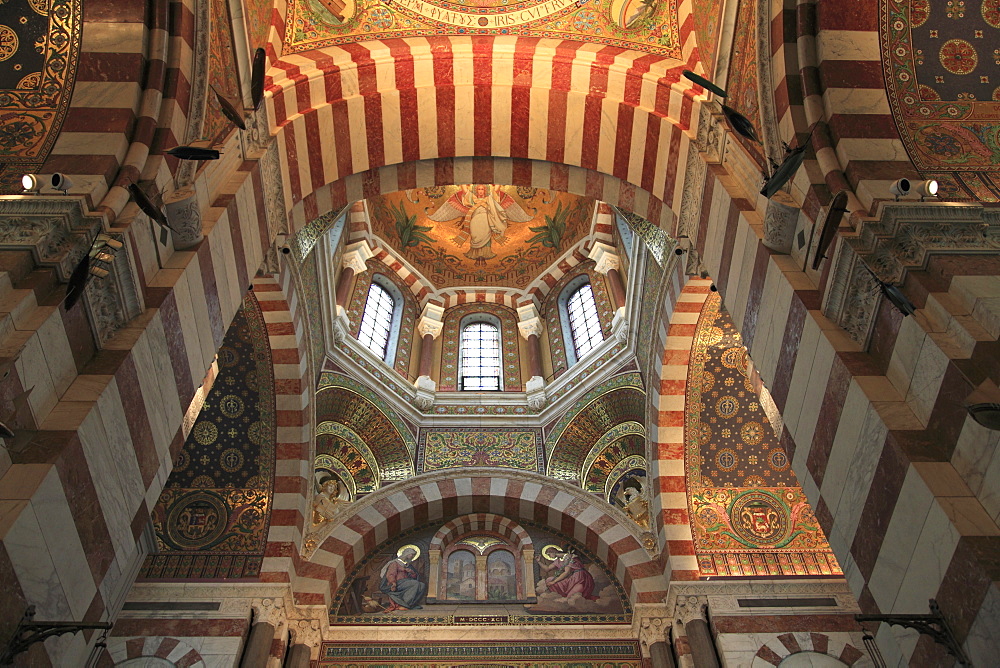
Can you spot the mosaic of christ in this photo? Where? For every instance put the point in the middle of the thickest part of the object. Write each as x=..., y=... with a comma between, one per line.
x=481, y=234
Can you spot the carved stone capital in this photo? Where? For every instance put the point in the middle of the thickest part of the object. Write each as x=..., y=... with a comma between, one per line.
x=529, y=327
x=535, y=388
x=690, y=608
x=605, y=258
x=429, y=326
x=356, y=256
x=653, y=630
x=306, y=632
x=269, y=610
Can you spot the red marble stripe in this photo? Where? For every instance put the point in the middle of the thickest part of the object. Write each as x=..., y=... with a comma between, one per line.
x=828, y=419
x=788, y=623
x=195, y=628
x=520, y=97
x=85, y=506
x=761, y=262
x=444, y=91
x=482, y=79
x=851, y=74
x=110, y=67
x=211, y=292
x=140, y=431
x=317, y=173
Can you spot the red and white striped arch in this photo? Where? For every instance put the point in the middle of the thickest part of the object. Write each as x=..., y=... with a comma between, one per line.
x=827, y=76
x=396, y=102
x=444, y=496
x=293, y=390
x=498, y=524
x=669, y=476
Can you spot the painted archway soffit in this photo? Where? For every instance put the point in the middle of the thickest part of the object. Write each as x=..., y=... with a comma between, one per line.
x=39, y=52
x=650, y=26
x=940, y=61
x=343, y=401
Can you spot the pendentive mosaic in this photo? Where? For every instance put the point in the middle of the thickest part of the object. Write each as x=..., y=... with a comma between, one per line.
x=39, y=53
x=408, y=318
x=649, y=26
x=591, y=423
x=344, y=401
x=748, y=514
x=450, y=338
x=940, y=59
x=212, y=517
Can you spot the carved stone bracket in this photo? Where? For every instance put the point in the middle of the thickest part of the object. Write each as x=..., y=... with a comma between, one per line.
x=901, y=238
x=59, y=232
x=184, y=216
x=780, y=219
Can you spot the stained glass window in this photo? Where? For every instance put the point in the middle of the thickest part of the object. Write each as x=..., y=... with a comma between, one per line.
x=479, y=366
x=377, y=320
x=584, y=325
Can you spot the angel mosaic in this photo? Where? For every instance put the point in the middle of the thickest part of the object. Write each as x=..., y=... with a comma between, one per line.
x=483, y=213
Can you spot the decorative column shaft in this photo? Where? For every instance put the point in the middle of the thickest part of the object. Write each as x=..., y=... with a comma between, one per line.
x=608, y=263
x=660, y=655
x=530, y=326
x=692, y=612
x=298, y=657
x=258, y=647
x=430, y=326
x=354, y=261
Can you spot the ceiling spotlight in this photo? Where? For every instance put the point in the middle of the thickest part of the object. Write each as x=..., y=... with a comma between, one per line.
x=30, y=183
x=900, y=188
x=986, y=414
x=61, y=182
x=927, y=188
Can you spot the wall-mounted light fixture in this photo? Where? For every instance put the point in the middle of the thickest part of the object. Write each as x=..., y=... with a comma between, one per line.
x=31, y=183
x=900, y=188
x=927, y=188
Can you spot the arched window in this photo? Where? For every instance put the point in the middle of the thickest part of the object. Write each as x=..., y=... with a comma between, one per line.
x=479, y=356
x=584, y=323
x=377, y=322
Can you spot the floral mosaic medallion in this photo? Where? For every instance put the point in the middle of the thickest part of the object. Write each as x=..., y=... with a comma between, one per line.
x=748, y=514
x=39, y=51
x=644, y=25
x=211, y=519
x=940, y=60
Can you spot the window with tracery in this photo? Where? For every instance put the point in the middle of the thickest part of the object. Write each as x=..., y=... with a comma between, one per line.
x=479, y=357
x=376, y=323
x=584, y=323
